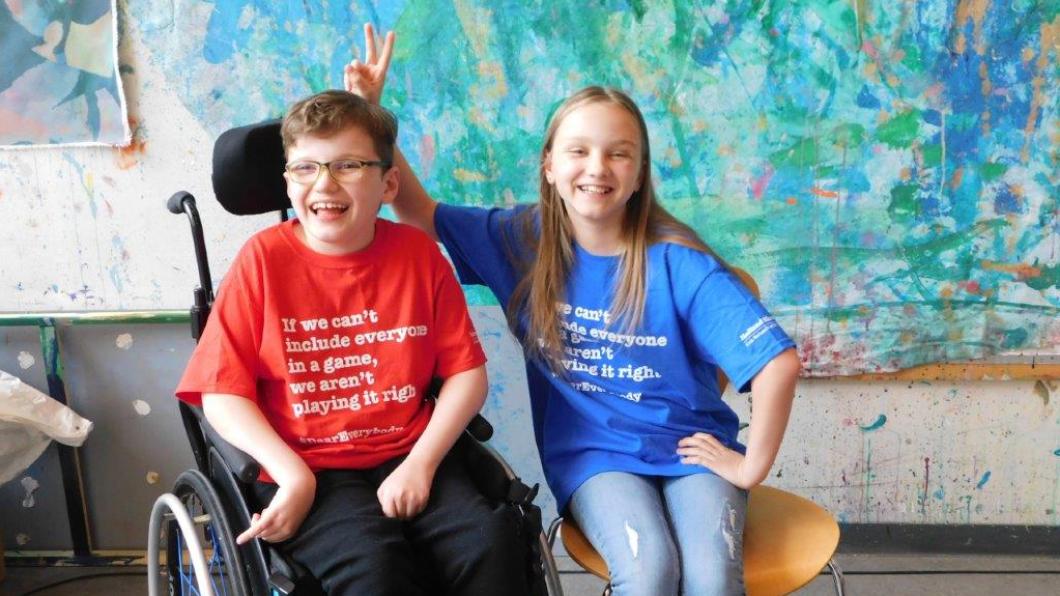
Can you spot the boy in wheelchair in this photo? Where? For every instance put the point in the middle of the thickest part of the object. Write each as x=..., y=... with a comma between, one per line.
x=316, y=360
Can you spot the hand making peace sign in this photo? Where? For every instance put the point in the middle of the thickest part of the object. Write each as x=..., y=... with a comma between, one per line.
x=368, y=78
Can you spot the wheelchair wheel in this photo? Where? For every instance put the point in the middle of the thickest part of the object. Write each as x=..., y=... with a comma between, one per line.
x=214, y=534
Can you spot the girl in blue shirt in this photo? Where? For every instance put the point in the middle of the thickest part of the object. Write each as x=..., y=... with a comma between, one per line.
x=625, y=317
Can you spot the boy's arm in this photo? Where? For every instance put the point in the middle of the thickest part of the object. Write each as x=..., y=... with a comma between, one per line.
x=240, y=422
x=772, y=391
x=412, y=205
x=405, y=491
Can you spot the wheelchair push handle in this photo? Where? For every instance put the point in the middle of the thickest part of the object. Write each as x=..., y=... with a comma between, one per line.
x=184, y=202
x=175, y=204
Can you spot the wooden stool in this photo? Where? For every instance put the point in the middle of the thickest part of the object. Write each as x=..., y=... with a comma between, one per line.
x=787, y=541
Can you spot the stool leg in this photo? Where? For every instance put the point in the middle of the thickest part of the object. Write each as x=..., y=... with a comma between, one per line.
x=837, y=576
x=553, y=530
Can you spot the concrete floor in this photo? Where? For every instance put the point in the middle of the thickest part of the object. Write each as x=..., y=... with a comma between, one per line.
x=866, y=574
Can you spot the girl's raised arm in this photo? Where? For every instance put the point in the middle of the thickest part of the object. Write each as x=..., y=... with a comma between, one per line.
x=413, y=205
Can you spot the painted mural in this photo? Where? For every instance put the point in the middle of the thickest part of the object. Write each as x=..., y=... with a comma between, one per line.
x=887, y=171
x=59, y=82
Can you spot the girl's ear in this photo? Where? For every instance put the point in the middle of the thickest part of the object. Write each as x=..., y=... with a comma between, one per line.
x=547, y=168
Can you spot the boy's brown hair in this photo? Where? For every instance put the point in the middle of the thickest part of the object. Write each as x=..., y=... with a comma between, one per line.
x=331, y=112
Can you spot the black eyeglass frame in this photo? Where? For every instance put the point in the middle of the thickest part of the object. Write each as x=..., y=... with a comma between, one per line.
x=361, y=164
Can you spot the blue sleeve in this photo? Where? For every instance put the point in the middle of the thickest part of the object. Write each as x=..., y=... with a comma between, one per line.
x=481, y=243
x=726, y=323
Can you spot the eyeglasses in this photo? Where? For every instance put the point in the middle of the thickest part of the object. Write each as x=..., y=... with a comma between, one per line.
x=341, y=170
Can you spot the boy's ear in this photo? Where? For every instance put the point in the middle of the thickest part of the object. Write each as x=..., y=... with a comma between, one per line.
x=390, y=185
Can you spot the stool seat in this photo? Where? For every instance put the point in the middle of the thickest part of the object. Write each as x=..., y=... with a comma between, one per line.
x=787, y=541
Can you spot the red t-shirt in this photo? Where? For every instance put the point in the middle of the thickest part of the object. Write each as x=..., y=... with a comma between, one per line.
x=337, y=351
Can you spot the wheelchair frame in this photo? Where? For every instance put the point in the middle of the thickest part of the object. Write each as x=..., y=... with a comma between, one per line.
x=216, y=491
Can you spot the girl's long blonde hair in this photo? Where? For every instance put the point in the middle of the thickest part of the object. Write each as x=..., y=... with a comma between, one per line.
x=545, y=259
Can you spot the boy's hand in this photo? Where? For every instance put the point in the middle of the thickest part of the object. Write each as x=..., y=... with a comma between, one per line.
x=405, y=491
x=704, y=450
x=368, y=78
x=285, y=513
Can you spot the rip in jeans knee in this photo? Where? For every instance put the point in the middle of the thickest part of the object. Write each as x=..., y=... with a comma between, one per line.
x=633, y=538
x=728, y=530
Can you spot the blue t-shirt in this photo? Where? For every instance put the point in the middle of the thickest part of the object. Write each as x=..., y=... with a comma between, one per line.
x=628, y=398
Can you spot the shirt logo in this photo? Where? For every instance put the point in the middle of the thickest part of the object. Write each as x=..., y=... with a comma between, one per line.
x=760, y=327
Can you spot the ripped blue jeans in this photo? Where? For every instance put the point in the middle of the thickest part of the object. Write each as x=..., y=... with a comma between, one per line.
x=663, y=535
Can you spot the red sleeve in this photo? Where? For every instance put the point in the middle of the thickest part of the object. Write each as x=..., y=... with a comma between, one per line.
x=457, y=347
x=226, y=358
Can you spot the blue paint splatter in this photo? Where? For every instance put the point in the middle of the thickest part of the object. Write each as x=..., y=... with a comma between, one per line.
x=983, y=480
x=84, y=184
x=939, y=494
x=1057, y=453
x=1006, y=201
x=866, y=99
x=115, y=278
x=880, y=421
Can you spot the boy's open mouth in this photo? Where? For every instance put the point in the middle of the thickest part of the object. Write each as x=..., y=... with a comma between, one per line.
x=325, y=208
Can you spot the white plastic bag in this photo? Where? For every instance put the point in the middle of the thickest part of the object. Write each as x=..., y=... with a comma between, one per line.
x=29, y=420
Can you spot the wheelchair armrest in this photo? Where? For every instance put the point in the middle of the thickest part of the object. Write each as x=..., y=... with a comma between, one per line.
x=480, y=428
x=245, y=468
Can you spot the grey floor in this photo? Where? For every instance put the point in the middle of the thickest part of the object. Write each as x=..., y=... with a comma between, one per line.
x=913, y=575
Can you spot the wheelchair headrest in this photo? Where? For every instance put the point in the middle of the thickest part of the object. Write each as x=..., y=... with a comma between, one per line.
x=248, y=169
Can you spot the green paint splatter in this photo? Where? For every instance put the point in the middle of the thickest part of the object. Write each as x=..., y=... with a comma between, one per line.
x=1048, y=277
x=1013, y=338
x=983, y=480
x=912, y=59
x=638, y=8
x=991, y=171
x=904, y=204
x=901, y=130
x=878, y=423
x=932, y=155
x=316, y=78
x=479, y=296
x=801, y=154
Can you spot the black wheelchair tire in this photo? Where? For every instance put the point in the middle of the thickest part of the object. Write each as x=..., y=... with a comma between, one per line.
x=194, y=484
x=253, y=552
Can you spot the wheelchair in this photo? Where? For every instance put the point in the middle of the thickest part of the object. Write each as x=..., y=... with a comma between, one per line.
x=196, y=524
